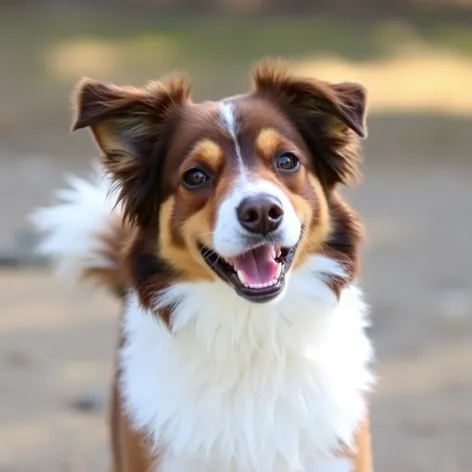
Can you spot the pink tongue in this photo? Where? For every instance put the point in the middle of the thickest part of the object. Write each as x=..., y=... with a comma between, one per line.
x=258, y=266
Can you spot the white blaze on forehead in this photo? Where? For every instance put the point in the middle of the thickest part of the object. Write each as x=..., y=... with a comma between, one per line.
x=229, y=121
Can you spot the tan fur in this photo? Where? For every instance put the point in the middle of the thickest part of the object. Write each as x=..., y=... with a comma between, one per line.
x=319, y=228
x=268, y=142
x=361, y=453
x=209, y=153
x=186, y=259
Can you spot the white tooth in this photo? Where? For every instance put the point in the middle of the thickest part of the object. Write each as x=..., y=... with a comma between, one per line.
x=278, y=271
x=241, y=277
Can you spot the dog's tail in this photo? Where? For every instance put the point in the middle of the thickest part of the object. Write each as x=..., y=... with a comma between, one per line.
x=83, y=234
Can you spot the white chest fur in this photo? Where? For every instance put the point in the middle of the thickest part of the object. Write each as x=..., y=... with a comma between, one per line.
x=238, y=387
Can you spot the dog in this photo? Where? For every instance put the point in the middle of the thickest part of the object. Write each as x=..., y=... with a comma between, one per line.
x=220, y=226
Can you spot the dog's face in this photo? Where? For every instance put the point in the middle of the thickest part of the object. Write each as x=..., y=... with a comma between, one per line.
x=242, y=189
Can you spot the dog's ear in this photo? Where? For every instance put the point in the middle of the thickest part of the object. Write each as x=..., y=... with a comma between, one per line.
x=330, y=117
x=132, y=128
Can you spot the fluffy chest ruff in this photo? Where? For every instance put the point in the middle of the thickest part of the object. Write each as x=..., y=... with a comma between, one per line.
x=241, y=387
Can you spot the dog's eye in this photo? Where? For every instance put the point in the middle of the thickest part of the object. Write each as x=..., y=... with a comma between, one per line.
x=287, y=162
x=194, y=178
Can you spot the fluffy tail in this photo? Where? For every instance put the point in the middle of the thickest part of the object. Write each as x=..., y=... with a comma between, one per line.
x=84, y=233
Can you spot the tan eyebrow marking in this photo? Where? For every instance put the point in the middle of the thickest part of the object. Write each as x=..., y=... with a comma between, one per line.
x=209, y=152
x=268, y=142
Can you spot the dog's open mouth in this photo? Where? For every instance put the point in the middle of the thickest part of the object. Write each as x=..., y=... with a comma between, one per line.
x=257, y=275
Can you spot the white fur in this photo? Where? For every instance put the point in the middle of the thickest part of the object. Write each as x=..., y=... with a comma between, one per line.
x=178, y=464
x=241, y=387
x=72, y=225
x=229, y=235
x=332, y=465
x=229, y=121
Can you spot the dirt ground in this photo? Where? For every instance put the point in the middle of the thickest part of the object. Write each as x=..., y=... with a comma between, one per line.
x=56, y=342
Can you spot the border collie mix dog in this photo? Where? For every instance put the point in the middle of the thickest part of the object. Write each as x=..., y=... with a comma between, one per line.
x=221, y=228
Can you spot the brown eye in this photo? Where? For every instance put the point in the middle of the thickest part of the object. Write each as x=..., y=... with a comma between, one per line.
x=287, y=162
x=195, y=178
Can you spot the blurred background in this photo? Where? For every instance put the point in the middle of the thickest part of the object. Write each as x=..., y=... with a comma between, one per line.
x=414, y=56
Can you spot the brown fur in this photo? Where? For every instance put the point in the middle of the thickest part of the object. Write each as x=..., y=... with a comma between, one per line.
x=112, y=244
x=151, y=136
x=130, y=451
x=130, y=125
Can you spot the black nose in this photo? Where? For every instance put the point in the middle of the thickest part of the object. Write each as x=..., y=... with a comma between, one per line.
x=261, y=213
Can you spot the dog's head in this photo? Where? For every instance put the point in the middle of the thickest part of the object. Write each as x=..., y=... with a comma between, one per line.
x=243, y=189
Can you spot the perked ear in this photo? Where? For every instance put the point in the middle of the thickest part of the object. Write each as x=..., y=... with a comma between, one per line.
x=130, y=126
x=330, y=117
x=350, y=105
